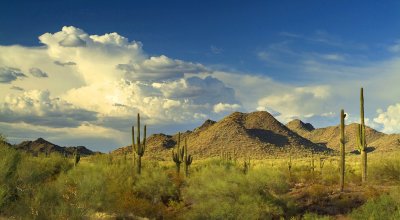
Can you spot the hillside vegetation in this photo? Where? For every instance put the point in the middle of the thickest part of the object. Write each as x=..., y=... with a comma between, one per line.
x=107, y=187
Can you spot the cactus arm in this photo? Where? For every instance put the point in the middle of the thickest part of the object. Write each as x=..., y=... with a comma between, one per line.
x=133, y=139
x=144, y=138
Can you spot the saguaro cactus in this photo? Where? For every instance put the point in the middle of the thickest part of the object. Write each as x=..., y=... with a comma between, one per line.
x=289, y=163
x=342, y=150
x=188, y=159
x=139, y=147
x=312, y=165
x=178, y=154
x=361, y=141
x=246, y=165
x=77, y=157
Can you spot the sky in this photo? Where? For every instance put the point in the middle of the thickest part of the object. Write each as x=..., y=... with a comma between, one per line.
x=78, y=72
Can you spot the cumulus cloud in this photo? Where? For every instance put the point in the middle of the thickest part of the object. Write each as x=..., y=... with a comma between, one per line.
x=108, y=79
x=389, y=119
x=37, y=107
x=115, y=78
x=201, y=91
x=9, y=74
x=178, y=101
x=299, y=102
x=225, y=107
x=36, y=72
x=72, y=41
x=159, y=68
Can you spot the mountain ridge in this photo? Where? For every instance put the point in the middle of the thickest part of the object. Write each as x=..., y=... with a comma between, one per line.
x=330, y=136
x=41, y=145
x=255, y=134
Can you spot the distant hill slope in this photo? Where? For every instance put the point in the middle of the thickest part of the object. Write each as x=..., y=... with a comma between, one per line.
x=256, y=134
x=330, y=136
x=42, y=146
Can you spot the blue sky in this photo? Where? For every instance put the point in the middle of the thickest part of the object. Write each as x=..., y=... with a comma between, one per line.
x=194, y=60
x=227, y=34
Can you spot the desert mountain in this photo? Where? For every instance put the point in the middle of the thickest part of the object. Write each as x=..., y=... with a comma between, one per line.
x=256, y=134
x=330, y=136
x=42, y=146
x=300, y=127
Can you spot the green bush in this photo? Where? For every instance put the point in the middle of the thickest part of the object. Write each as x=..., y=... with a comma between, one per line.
x=384, y=207
x=387, y=170
x=9, y=162
x=220, y=192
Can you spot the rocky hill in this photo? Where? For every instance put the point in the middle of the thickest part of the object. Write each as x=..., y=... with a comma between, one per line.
x=330, y=136
x=256, y=134
x=42, y=146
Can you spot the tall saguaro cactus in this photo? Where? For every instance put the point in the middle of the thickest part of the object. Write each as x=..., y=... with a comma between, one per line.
x=188, y=159
x=342, y=149
x=178, y=154
x=77, y=157
x=139, y=147
x=361, y=141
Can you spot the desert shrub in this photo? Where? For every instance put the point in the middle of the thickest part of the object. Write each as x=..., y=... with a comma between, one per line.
x=218, y=192
x=330, y=174
x=36, y=170
x=113, y=187
x=302, y=172
x=386, y=206
x=145, y=195
x=24, y=183
x=9, y=162
x=313, y=216
x=387, y=170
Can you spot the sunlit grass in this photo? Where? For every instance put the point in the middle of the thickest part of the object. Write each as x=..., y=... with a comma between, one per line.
x=107, y=185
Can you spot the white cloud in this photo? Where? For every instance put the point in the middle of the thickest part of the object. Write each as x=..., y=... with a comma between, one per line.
x=107, y=79
x=37, y=107
x=225, y=107
x=72, y=40
x=297, y=102
x=201, y=91
x=159, y=68
x=390, y=119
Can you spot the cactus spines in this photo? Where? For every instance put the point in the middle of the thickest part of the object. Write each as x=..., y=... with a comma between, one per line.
x=77, y=157
x=361, y=141
x=342, y=149
x=188, y=159
x=178, y=154
x=139, y=147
